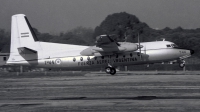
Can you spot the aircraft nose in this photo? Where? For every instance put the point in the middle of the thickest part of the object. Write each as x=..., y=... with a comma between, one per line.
x=191, y=52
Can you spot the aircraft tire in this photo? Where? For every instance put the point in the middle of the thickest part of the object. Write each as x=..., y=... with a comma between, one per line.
x=108, y=70
x=113, y=71
x=182, y=65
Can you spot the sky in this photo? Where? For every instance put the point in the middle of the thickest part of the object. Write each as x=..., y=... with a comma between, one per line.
x=55, y=16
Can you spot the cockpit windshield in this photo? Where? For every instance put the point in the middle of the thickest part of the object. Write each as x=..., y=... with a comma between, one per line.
x=172, y=46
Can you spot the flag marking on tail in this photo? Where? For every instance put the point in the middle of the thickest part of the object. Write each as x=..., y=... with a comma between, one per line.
x=25, y=34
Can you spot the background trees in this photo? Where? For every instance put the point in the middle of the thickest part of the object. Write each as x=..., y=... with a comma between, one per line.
x=4, y=40
x=124, y=25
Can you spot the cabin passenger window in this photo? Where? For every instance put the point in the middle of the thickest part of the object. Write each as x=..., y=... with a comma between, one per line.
x=88, y=58
x=81, y=58
x=131, y=54
x=4, y=58
x=74, y=59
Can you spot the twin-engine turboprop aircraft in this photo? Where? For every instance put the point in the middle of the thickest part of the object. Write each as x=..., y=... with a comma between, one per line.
x=27, y=50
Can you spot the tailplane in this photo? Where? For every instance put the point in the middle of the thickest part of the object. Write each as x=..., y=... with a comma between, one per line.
x=24, y=43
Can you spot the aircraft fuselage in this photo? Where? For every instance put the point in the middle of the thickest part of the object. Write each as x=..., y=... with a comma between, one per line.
x=154, y=54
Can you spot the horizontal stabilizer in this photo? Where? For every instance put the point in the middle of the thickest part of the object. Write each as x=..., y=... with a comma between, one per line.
x=28, y=54
x=25, y=50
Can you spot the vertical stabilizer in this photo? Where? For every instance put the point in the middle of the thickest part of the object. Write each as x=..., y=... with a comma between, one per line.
x=23, y=38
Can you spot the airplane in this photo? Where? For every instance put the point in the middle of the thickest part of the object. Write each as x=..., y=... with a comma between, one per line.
x=27, y=50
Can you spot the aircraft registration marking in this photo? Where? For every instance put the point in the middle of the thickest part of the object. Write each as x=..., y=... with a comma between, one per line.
x=49, y=62
x=53, y=62
x=182, y=52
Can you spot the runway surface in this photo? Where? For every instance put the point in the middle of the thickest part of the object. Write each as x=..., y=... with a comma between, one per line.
x=99, y=93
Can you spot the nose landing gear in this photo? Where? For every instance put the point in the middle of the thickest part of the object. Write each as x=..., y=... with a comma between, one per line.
x=110, y=70
x=182, y=64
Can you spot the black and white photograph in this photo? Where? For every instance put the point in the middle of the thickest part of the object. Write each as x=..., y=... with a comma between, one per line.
x=99, y=56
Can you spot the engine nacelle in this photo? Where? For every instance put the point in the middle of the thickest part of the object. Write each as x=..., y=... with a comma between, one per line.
x=124, y=47
x=129, y=46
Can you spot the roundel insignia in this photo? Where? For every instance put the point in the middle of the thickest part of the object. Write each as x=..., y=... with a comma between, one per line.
x=58, y=61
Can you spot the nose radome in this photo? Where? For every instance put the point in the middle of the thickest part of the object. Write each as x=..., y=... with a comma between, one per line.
x=191, y=52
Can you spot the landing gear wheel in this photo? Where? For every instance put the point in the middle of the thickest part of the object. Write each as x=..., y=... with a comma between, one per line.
x=113, y=71
x=182, y=65
x=108, y=70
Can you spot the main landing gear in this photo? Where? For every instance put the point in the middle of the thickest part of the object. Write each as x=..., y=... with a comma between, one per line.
x=110, y=70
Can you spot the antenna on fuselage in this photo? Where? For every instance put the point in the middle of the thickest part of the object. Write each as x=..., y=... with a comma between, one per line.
x=163, y=39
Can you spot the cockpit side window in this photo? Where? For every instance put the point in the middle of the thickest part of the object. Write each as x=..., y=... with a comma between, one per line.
x=168, y=45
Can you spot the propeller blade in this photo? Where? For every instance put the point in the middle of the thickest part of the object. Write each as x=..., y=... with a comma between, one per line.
x=139, y=46
x=113, y=40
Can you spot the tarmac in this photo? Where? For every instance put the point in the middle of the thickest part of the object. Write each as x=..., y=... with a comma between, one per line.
x=100, y=92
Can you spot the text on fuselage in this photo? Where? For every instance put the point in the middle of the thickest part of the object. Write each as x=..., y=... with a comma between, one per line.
x=105, y=61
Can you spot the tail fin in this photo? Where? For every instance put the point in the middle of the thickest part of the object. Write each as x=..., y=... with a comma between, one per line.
x=23, y=39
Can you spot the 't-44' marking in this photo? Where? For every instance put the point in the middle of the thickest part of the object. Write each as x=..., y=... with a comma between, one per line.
x=49, y=62
x=182, y=52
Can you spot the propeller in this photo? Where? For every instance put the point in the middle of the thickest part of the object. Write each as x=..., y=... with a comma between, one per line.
x=125, y=37
x=139, y=46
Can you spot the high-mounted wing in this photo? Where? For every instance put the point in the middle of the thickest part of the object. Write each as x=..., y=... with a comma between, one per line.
x=106, y=44
x=105, y=40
